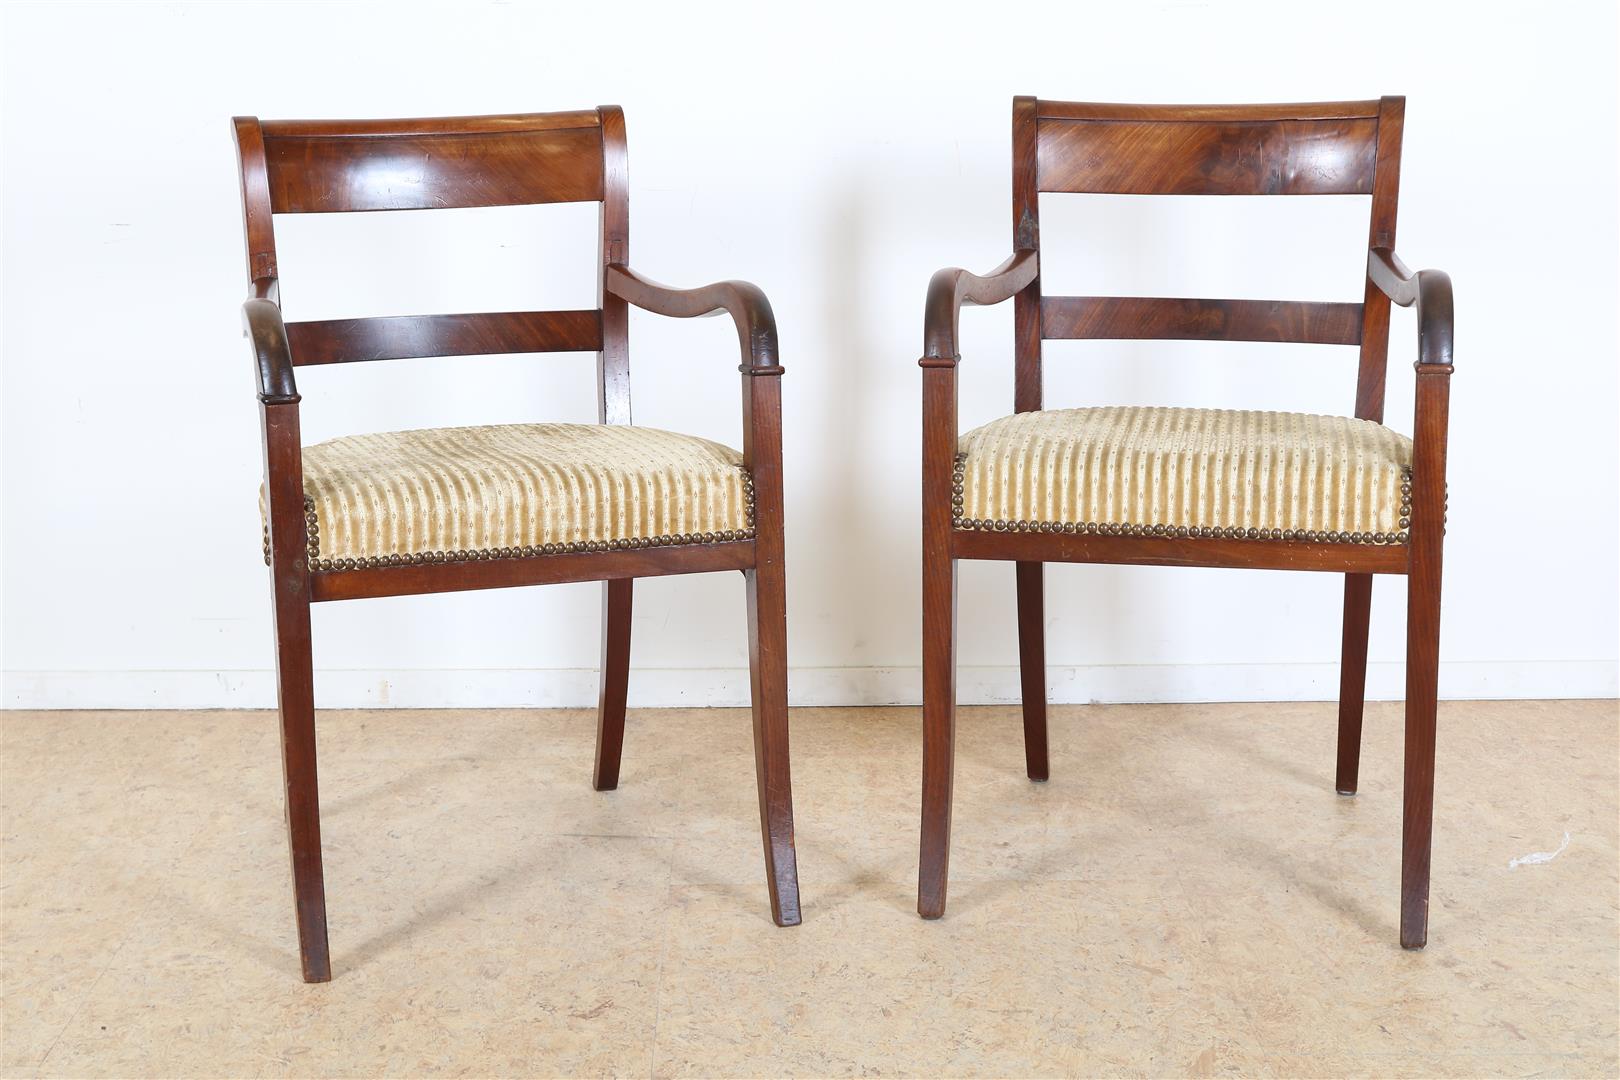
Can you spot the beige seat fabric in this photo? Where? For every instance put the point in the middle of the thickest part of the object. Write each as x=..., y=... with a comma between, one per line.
x=1187, y=472
x=518, y=489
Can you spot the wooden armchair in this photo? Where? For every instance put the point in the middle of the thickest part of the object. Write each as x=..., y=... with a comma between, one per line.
x=1277, y=491
x=493, y=507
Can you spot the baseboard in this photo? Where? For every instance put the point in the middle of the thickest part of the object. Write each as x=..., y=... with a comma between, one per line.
x=685, y=687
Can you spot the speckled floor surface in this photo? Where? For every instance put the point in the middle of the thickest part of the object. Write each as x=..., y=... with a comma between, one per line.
x=1187, y=896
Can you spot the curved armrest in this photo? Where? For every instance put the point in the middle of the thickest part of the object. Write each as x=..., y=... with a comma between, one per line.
x=950, y=289
x=744, y=302
x=267, y=331
x=1430, y=291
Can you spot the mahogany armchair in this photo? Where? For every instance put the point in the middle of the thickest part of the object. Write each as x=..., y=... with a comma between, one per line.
x=494, y=507
x=1278, y=491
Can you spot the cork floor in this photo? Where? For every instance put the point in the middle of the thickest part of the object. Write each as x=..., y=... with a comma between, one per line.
x=1187, y=896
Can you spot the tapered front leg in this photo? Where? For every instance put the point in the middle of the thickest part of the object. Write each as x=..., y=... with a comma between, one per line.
x=1032, y=665
x=1352, y=680
x=938, y=631
x=616, y=598
x=767, y=665
x=767, y=635
x=939, y=727
x=295, y=680
x=1422, y=693
x=1427, y=536
x=295, y=683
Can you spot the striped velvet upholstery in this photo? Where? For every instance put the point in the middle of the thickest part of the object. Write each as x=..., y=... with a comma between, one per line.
x=500, y=489
x=1188, y=468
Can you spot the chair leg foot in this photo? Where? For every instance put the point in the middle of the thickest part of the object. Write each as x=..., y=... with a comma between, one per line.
x=616, y=606
x=1032, y=665
x=767, y=663
x=309, y=887
x=1417, y=829
x=1353, y=680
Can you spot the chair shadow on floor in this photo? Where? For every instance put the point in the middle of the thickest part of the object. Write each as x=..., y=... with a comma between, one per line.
x=457, y=901
x=1197, y=808
x=839, y=874
x=414, y=781
x=273, y=946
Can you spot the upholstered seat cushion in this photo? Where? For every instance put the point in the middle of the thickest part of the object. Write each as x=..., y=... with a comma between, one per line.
x=518, y=489
x=1186, y=472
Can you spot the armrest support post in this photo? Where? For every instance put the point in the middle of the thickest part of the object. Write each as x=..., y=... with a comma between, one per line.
x=283, y=446
x=1429, y=292
x=284, y=496
x=939, y=435
x=951, y=288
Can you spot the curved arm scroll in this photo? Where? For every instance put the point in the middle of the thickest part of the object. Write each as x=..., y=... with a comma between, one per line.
x=951, y=288
x=1430, y=291
x=743, y=301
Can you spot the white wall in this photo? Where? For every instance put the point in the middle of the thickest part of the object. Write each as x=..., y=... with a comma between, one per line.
x=836, y=155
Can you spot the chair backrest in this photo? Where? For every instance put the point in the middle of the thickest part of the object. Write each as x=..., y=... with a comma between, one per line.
x=1334, y=148
x=330, y=166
